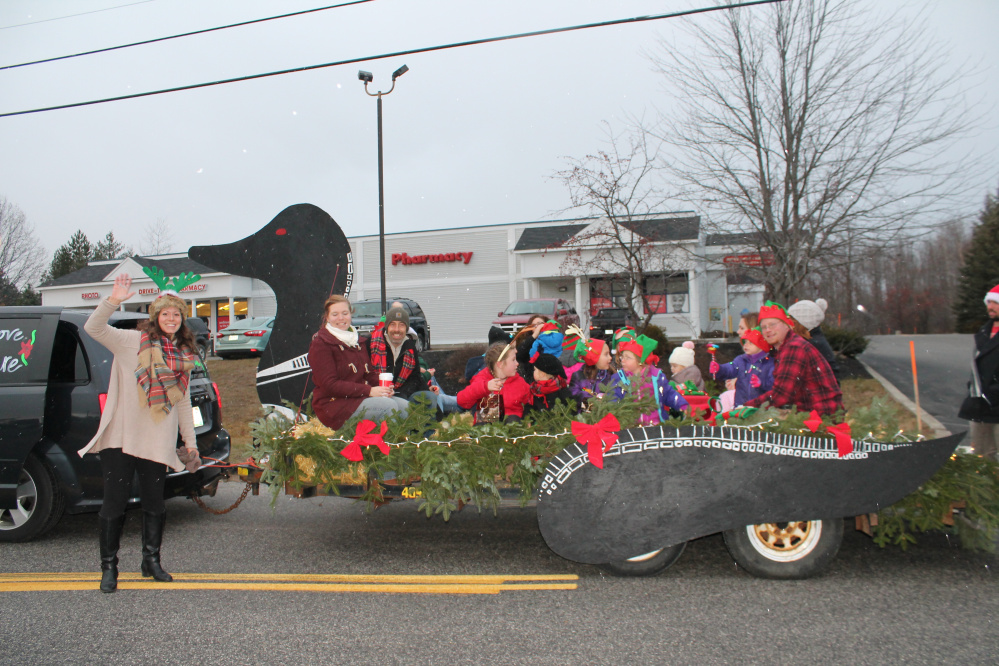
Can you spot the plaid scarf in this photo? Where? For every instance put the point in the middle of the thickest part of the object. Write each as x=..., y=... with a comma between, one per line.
x=542, y=389
x=162, y=374
x=378, y=350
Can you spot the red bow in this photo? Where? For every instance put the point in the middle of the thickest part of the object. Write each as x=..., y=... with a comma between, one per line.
x=364, y=437
x=814, y=421
x=842, y=434
x=598, y=438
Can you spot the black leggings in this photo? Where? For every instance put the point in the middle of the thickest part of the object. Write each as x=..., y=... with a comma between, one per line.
x=118, y=468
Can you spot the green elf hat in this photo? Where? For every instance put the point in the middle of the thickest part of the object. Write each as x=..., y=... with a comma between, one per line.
x=642, y=347
x=622, y=334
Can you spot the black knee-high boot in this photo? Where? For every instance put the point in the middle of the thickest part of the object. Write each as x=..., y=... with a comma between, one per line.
x=110, y=540
x=152, y=537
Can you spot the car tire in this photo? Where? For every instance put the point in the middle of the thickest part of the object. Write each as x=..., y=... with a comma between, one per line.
x=788, y=551
x=40, y=504
x=649, y=564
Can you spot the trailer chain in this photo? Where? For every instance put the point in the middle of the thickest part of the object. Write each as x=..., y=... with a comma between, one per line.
x=219, y=512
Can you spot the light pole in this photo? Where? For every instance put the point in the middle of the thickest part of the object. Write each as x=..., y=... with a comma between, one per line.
x=368, y=78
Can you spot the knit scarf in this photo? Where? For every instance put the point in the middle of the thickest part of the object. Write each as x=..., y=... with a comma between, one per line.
x=348, y=337
x=163, y=373
x=543, y=388
x=378, y=349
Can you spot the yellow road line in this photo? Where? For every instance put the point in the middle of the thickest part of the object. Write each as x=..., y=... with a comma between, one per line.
x=370, y=583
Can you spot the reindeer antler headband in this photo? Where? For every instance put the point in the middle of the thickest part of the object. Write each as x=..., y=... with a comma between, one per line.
x=170, y=285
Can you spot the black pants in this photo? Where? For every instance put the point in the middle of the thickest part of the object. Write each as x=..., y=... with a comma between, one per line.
x=118, y=468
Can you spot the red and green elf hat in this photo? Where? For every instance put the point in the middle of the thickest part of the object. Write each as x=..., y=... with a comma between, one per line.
x=755, y=335
x=573, y=334
x=775, y=311
x=642, y=347
x=588, y=351
x=620, y=335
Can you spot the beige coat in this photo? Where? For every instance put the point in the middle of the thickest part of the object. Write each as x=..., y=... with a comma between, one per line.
x=125, y=424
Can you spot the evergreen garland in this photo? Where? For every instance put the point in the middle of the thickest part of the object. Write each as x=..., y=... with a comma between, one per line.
x=456, y=463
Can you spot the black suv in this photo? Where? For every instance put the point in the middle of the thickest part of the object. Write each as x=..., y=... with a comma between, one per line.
x=604, y=323
x=369, y=311
x=53, y=385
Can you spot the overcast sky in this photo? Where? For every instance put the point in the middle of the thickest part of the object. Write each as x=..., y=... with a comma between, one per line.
x=472, y=135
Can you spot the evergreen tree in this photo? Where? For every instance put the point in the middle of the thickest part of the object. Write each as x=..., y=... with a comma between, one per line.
x=981, y=269
x=70, y=257
x=29, y=296
x=110, y=248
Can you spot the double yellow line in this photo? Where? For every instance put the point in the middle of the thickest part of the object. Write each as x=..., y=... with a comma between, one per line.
x=392, y=584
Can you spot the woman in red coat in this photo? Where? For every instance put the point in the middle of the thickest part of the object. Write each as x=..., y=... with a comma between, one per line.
x=497, y=392
x=346, y=382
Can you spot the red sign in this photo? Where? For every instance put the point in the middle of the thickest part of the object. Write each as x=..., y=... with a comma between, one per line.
x=90, y=295
x=597, y=304
x=753, y=259
x=222, y=321
x=405, y=259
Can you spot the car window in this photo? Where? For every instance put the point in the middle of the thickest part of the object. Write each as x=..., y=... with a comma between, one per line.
x=417, y=311
x=69, y=361
x=368, y=309
x=24, y=344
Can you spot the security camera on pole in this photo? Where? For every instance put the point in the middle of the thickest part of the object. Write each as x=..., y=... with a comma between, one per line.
x=367, y=77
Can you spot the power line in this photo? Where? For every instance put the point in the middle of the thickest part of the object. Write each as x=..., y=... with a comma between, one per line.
x=427, y=49
x=59, y=18
x=185, y=34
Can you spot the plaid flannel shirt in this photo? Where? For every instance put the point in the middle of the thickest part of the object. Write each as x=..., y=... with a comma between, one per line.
x=801, y=378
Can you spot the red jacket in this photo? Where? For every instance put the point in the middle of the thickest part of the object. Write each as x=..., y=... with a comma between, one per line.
x=516, y=392
x=803, y=378
x=343, y=377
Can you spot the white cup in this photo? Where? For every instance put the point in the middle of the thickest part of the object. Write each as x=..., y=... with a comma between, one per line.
x=385, y=379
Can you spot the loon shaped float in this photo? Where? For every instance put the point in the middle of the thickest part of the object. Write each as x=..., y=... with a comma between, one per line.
x=304, y=256
x=660, y=486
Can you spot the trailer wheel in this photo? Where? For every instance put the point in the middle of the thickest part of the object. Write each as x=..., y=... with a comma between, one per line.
x=798, y=549
x=648, y=564
x=39, y=504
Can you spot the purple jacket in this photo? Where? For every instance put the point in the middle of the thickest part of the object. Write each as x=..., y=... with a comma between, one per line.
x=582, y=389
x=742, y=368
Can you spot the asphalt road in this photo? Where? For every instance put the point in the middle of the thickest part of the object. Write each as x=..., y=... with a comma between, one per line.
x=933, y=604
x=943, y=366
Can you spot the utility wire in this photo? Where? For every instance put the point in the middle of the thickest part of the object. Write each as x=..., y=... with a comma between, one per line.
x=185, y=34
x=59, y=18
x=427, y=49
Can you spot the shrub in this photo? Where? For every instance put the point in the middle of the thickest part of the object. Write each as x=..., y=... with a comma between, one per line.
x=664, y=348
x=846, y=342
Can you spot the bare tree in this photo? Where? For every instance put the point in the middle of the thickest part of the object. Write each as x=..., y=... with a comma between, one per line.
x=158, y=239
x=816, y=125
x=22, y=257
x=625, y=244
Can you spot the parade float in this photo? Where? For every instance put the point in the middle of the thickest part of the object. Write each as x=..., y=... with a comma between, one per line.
x=777, y=484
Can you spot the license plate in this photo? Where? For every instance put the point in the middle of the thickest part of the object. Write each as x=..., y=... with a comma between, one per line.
x=608, y=331
x=196, y=414
x=233, y=338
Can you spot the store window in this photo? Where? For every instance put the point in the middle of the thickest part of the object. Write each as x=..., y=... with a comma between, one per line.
x=240, y=308
x=667, y=294
x=608, y=292
x=204, y=309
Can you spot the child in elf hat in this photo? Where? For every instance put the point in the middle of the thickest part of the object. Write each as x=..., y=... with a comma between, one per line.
x=638, y=365
x=549, y=341
x=573, y=334
x=596, y=376
x=549, y=383
x=752, y=371
x=621, y=335
x=681, y=364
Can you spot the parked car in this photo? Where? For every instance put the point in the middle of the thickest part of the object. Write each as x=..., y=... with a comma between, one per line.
x=608, y=320
x=202, y=335
x=245, y=337
x=515, y=316
x=369, y=311
x=53, y=384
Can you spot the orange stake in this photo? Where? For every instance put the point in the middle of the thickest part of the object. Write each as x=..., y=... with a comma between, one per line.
x=915, y=386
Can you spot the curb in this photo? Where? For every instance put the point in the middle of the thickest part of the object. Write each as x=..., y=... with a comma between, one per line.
x=938, y=428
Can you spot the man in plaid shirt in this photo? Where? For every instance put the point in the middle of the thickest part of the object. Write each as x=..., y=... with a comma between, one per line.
x=802, y=377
